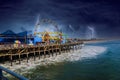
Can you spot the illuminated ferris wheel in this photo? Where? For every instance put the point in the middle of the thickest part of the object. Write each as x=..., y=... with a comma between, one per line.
x=45, y=21
x=47, y=35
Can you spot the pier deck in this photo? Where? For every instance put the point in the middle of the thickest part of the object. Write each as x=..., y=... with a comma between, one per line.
x=9, y=52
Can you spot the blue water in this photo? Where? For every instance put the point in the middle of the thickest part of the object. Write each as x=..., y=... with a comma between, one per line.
x=105, y=67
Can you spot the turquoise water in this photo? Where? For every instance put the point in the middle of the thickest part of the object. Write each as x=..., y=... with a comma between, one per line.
x=106, y=66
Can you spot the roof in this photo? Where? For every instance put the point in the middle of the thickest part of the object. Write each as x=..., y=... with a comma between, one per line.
x=9, y=33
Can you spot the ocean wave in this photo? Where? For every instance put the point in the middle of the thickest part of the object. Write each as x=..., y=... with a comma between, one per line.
x=86, y=52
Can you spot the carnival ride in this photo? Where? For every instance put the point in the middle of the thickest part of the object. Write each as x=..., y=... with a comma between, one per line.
x=49, y=36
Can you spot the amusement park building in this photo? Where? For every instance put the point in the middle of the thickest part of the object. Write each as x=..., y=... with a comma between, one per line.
x=9, y=37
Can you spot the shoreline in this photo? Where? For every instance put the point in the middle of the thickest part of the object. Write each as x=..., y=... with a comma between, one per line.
x=95, y=41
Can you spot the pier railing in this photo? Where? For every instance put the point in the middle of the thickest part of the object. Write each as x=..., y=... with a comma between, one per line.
x=19, y=77
x=11, y=46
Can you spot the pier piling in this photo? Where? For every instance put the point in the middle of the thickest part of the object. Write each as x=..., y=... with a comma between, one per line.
x=11, y=59
x=27, y=57
x=37, y=50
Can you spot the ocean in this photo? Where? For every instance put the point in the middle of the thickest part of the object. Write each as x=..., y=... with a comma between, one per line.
x=95, y=61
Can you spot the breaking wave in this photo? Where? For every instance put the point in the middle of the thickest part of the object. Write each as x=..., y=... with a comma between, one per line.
x=87, y=52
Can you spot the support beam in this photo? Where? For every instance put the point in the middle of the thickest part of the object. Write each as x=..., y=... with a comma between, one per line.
x=11, y=59
x=34, y=56
x=27, y=57
x=44, y=53
x=56, y=51
x=52, y=52
x=73, y=48
x=49, y=52
x=59, y=50
x=39, y=54
x=19, y=58
x=69, y=48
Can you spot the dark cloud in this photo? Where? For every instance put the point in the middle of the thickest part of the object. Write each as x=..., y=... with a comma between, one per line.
x=104, y=15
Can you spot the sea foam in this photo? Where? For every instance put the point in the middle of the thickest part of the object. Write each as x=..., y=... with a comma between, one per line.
x=87, y=52
x=84, y=53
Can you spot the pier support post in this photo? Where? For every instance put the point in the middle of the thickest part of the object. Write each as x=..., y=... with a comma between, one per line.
x=11, y=59
x=19, y=58
x=34, y=56
x=49, y=52
x=52, y=50
x=73, y=48
x=77, y=47
x=39, y=54
x=69, y=48
x=66, y=48
x=63, y=49
x=44, y=54
x=59, y=50
x=27, y=57
x=56, y=51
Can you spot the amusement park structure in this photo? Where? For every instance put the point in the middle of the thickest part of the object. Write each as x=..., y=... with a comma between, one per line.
x=48, y=36
x=44, y=36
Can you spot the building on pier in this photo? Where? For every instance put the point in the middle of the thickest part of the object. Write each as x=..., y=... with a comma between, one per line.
x=9, y=37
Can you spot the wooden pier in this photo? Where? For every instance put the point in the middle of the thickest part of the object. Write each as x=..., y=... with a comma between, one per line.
x=11, y=53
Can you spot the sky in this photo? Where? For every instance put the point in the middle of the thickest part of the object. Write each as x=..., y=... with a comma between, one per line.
x=73, y=17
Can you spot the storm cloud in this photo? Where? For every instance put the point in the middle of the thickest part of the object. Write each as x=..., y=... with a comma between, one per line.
x=103, y=15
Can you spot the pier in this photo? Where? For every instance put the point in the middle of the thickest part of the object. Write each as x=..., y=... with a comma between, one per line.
x=10, y=53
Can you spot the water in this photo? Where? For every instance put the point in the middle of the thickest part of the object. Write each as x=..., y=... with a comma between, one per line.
x=99, y=61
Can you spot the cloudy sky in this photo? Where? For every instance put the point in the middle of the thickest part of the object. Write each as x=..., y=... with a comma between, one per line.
x=73, y=16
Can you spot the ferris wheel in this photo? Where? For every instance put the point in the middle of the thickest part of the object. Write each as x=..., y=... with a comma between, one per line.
x=45, y=21
x=47, y=35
